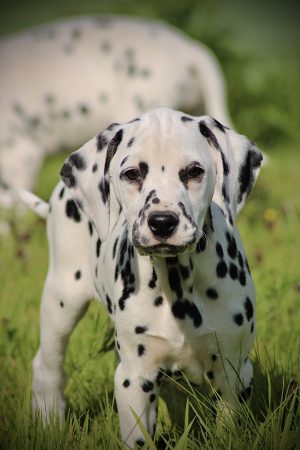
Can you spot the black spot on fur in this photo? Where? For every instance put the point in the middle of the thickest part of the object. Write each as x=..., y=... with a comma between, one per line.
x=98, y=246
x=233, y=271
x=225, y=164
x=158, y=301
x=194, y=314
x=150, y=195
x=104, y=189
x=66, y=114
x=247, y=266
x=77, y=275
x=152, y=397
x=181, y=308
x=67, y=176
x=95, y=168
x=147, y=386
x=221, y=269
x=210, y=375
x=219, y=125
x=61, y=304
x=101, y=142
x=126, y=383
x=212, y=293
x=137, y=119
x=239, y=319
x=210, y=218
x=108, y=304
x=140, y=329
x=112, y=148
x=127, y=291
x=77, y=160
x=141, y=350
x=214, y=357
x=248, y=308
x=186, y=215
x=219, y=250
x=112, y=126
x=124, y=160
x=178, y=309
x=241, y=261
x=186, y=119
x=83, y=109
x=144, y=168
x=116, y=272
x=232, y=248
x=90, y=228
x=61, y=194
x=251, y=162
x=174, y=281
x=72, y=211
x=140, y=442
x=152, y=282
x=208, y=134
x=115, y=247
x=242, y=278
x=50, y=99
x=130, y=142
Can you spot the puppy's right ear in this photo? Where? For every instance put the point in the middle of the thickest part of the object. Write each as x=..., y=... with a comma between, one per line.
x=86, y=175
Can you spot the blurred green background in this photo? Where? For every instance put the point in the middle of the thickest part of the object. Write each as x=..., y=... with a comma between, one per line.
x=257, y=44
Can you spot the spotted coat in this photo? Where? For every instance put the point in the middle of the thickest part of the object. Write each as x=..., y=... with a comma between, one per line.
x=151, y=233
x=63, y=81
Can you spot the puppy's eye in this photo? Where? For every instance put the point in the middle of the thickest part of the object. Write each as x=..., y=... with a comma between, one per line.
x=131, y=174
x=194, y=171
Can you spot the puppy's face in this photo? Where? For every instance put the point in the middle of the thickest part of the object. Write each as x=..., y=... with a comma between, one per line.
x=166, y=168
x=164, y=178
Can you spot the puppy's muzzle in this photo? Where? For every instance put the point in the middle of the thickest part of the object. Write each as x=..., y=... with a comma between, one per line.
x=163, y=223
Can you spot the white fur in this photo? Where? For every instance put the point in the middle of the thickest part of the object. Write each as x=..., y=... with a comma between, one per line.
x=165, y=312
x=116, y=67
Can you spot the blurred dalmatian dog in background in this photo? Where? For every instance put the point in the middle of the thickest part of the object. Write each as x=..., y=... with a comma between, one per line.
x=145, y=221
x=62, y=82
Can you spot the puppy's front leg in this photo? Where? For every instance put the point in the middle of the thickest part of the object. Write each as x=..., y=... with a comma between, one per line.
x=139, y=394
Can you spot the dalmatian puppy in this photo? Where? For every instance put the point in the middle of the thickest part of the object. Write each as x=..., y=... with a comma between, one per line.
x=144, y=221
x=62, y=82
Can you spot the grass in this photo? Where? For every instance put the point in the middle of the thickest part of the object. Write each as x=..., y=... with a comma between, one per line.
x=263, y=99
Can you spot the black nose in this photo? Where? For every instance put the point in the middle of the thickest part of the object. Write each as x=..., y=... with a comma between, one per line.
x=163, y=224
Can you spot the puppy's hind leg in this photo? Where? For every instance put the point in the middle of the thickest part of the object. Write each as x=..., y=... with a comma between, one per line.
x=67, y=291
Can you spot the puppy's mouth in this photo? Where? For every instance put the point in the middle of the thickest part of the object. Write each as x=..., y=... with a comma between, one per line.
x=162, y=250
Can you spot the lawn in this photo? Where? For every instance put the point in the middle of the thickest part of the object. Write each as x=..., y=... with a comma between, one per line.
x=263, y=81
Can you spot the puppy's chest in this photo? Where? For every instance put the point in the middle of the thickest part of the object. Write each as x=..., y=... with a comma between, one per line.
x=166, y=316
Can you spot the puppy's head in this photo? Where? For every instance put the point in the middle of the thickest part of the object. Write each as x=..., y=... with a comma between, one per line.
x=165, y=168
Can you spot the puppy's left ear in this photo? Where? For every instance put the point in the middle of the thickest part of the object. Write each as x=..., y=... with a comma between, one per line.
x=238, y=162
x=86, y=174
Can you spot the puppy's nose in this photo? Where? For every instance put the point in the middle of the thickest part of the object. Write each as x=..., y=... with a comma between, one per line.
x=163, y=223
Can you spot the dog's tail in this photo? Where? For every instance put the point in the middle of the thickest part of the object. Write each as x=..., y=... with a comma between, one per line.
x=35, y=203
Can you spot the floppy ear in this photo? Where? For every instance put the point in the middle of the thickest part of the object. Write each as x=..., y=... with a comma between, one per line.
x=86, y=174
x=238, y=162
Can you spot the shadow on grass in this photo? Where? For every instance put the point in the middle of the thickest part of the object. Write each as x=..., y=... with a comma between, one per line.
x=275, y=408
